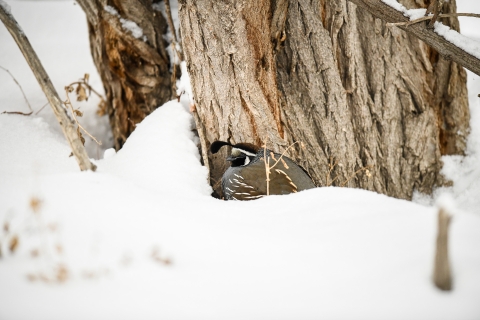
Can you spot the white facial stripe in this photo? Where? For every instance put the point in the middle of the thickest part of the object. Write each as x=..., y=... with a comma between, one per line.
x=247, y=161
x=243, y=151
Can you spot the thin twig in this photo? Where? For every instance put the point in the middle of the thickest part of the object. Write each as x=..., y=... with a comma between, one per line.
x=89, y=87
x=330, y=169
x=17, y=112
x=170, y=19
x=172, y=28
x=21, y=89
x=283, y=154
x=46, y=104
x=267, y=165
x=445, y=15
x=178, y=55
x=353, y=175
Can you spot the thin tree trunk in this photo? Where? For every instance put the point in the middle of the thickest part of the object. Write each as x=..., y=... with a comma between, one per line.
x=132, y=60
x=373, y=106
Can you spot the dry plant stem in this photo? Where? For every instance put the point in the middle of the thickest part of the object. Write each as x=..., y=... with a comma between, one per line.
x=68, y=103
x=41, y=108
x=42, y=77
x=90, y=88
x=21, y=89
x=353, y=175
x=168, y=10
x=17, y=112
x=283, y=154
x=442, y=274
x=448, y=50
x=172, y=29
x=267, y=167
x=446, y=15
x=330, y=169
x=174, y=42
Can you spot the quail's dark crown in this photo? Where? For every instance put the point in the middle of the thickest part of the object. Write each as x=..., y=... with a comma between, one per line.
x=241, y=155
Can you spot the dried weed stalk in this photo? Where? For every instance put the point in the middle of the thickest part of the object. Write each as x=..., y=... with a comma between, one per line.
x=24, y=96
x=268, y=168
x=331, y=166
x=23, y=93
x=83, y=92
x=52, y=270
x=155, y=255
x=178, y=54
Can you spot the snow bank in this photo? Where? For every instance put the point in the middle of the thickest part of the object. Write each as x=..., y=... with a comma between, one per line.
x=160, y=154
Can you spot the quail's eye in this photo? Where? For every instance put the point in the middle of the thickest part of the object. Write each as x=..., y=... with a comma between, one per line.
x=236, y=152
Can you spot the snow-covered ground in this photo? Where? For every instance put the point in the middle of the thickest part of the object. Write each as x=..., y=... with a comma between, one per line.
x=142, y=239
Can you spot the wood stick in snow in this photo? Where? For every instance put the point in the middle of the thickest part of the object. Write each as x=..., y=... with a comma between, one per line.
x=43, y=79
x=442, y=276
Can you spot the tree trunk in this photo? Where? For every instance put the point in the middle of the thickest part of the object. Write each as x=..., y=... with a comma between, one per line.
x=128, y=48
x=373, y=107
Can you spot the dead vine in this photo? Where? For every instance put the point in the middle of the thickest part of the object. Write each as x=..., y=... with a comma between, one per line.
x=83, y=92
x=333, y=163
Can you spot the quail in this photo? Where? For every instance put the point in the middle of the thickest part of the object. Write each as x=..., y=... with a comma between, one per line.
x=246, y=179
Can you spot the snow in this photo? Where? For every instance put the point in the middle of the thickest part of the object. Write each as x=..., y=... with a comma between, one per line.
x=128, y=25
x=395, y=5
x=461, y=41
x=141, y=238
x=466, y=43
x=183, y=85
x=5, y=6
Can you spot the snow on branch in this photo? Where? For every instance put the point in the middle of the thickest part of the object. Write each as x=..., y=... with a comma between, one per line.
x=449, y=43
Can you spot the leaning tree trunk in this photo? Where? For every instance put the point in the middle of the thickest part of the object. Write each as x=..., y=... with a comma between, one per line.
x=128, y=48
x=372, y=106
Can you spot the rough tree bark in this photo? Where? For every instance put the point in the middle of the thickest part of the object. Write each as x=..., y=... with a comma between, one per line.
x=374, y=107
x=357, y=94
x=133, y=63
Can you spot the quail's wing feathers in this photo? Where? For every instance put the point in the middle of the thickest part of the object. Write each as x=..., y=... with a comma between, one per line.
x=250, y=182
x=241, y=184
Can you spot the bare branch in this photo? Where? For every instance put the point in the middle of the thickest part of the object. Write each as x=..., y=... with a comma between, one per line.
x=41, y=108
x=448, y=50
x=445, y=15
x=68, y=103
x=172, y=29
x=44, y=81
x=17, y=112
x=21, y=89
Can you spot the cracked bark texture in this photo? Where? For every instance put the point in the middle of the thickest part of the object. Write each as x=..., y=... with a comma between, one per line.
x=357, y=94
x=134, y=70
